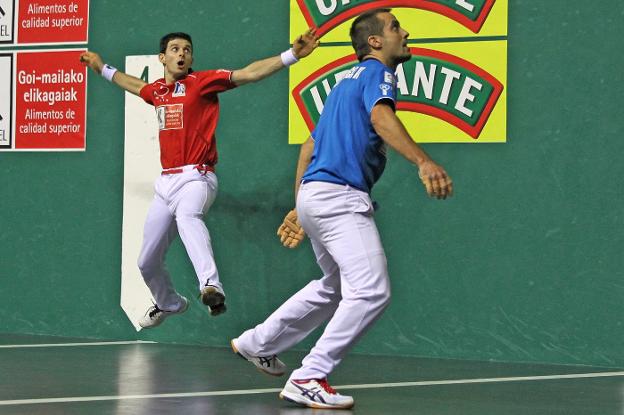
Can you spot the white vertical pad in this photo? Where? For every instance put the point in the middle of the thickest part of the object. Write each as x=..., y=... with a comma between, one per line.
x=141, y=168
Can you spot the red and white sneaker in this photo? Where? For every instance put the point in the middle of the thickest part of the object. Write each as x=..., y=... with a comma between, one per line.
x=315, y=393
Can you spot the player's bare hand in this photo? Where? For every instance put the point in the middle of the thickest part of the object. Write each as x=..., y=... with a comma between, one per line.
x=290, y=231
x=305, y=44
x=437, y=182
x=92, y=60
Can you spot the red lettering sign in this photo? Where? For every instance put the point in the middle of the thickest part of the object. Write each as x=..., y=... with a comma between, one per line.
x=50, y=100
x=53, y=21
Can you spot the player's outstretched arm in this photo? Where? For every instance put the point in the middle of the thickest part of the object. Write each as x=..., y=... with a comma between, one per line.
x=385, y=122
x=302, y=47
x=123, y=80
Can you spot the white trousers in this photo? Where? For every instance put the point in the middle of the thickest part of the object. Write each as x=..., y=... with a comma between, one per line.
x=354, y=289
x=179, y=205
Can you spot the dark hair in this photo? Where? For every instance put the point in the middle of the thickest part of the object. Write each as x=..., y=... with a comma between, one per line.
x=365, y=25
x=164, y=41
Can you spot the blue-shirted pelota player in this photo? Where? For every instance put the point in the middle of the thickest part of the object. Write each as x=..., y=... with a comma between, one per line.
x=337, y=169
x=358, y=157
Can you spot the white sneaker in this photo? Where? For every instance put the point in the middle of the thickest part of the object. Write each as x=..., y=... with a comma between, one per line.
x=154, y=316
x=270, y=365
x=315, y=393
x=214, y=298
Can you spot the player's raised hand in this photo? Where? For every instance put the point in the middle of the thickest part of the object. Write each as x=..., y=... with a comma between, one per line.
x=305, y=44
x=437, y=182
x=92, y=60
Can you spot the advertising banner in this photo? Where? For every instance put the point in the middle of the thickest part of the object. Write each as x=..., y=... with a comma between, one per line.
x=44, y=22
x=43, y=92
x=452, y=90
x=7, y=14
x=6, y=94
x=50, y=100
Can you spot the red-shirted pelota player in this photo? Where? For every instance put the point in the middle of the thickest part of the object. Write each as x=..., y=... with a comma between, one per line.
x=187, y=109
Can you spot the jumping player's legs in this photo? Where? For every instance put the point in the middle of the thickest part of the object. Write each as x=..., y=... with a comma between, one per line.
x=190, y=202
x=340, y=218
x=158, y=233
x=298, y=316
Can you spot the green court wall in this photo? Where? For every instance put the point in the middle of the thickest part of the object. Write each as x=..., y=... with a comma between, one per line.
x=524, y=264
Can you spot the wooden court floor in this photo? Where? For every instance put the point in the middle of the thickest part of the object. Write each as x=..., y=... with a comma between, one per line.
x=50, y=375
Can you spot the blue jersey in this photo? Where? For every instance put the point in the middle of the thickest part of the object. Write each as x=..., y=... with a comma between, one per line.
x=347, y=150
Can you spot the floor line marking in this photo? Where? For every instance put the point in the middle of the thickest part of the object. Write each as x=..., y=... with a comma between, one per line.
x=482, y=380
x=19, y=346
x=260, y=391
x=150, y=396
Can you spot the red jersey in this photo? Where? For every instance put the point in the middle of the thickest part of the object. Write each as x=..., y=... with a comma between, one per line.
x=188, y=111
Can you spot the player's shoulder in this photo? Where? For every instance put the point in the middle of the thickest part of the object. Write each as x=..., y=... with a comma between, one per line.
x=376, y=69
x=157, y=83
x=210, y=73
x=152, y=87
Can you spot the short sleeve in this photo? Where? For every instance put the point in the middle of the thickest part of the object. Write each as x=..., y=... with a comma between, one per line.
x=146, y=94
x=214, y=81
x=380, y=85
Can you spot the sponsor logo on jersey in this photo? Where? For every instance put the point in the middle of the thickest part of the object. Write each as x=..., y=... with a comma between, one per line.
x=161, y=92
x=388, y=78
x=170, y=117
x=328, y=14
x=385, y=89
x=431, y=82
x=179, y=90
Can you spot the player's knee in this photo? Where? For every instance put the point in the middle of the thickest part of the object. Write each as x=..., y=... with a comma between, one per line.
x=383, y=297
x=141, y=263
x=188, y=214
x=377, y=298
x=386, y=299
x=183, y=218
x=148, y=266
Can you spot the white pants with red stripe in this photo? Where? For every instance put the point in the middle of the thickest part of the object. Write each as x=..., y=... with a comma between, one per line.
x=179, y=205
x=354, y=289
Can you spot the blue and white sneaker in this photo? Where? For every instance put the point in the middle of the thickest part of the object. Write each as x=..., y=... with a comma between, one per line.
x=270, y=365
x=154, y=316
x=315, y=393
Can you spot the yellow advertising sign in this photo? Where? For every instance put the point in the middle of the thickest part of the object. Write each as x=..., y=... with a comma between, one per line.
x=423, y=19
x=452, y=90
